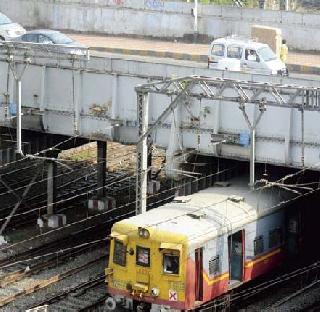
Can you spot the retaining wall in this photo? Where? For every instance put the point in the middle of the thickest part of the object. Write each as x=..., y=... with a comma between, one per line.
x=159, y=18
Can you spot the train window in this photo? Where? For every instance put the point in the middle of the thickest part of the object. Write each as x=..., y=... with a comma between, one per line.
x=170, y=264
x=143, y=256
x=275, y=238
x=258, y=245
x=214, y=265
x=119, y=253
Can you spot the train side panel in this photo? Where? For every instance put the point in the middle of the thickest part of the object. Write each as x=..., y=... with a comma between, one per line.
x=264, y=245
x=263, y=251
x=214, y=277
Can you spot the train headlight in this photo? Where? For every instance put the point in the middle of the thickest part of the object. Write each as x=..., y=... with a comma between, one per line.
x=155, y=292
x=143, y=232
x=110, y=304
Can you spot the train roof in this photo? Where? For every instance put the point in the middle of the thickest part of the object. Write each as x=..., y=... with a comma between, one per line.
x=210, y=212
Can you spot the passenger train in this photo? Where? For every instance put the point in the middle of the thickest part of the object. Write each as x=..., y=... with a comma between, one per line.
x=198, y=247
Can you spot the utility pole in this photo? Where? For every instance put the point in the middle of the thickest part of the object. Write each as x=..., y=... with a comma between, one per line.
x=195, y=25
x=17, y=77
x=287, y=6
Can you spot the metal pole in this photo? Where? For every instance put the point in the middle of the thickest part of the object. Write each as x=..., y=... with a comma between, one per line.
x=101, y=167
x=51, y=187
x=252, y=156
x=19, y=139
x=252, y=126
x=302, y=137
x=18, y=98
x=17, y=205
x=142, y=154
x=195, y=13
x=287, y=5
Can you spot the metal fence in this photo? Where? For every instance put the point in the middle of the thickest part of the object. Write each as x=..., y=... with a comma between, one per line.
x=27, y=51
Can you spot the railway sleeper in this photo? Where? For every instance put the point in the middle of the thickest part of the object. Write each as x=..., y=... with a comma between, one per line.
x=39, y=284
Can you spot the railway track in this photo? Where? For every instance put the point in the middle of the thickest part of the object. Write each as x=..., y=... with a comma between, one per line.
x=86, y=296
x=32, y=263
x=44, y=267
x=73, y=191
x=270, y=293
x=304, y=298
x=13, y=272
x=16, y=270
x=18, y=294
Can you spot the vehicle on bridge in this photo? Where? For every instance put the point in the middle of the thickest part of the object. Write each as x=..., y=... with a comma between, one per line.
x=9, y=30
x=196, y=248
x=53, y=37
x=244, y=55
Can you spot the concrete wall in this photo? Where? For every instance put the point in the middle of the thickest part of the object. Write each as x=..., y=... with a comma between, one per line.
x=160, y=19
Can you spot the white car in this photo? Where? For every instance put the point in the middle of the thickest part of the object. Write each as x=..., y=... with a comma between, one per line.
x=9, y=30
x=57, y=40
x=244, y=55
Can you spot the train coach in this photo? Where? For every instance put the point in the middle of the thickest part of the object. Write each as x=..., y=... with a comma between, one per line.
x=196, y=248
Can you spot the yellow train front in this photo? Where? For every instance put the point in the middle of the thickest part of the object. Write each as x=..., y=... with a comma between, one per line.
x=147, y=268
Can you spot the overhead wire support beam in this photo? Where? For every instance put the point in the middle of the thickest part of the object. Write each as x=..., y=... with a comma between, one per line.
x=15, y=52
x=144, y=131
x=142, y=153
x=230, y=91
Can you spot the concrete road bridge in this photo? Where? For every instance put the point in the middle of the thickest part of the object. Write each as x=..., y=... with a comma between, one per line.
x=229, y=114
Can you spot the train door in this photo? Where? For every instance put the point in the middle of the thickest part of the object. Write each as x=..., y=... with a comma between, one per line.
x=293, y=236
x=199, y=274
x=236, y=254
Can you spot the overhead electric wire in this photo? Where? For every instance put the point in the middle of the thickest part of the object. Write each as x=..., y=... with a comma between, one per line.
x=133, y=202
x=121, y=155
x=126, y=205
x=167, y=190
x=94, y=216
x=62, y=174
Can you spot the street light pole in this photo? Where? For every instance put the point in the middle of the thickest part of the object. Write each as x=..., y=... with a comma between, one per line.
x=195, y=13
x=287, y=7
x=18, y=78
x=19, y=136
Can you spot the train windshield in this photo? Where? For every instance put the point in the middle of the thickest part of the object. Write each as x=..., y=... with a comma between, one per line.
x=119, y=253
x=170, y=264
x=143, y=256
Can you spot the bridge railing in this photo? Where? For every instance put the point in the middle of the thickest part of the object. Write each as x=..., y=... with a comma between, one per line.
x=40, y=50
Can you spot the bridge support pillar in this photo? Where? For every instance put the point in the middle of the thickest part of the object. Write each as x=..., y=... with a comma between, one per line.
x=51, y=187
x=52, y=220
x=101, y=202
x=101, y=167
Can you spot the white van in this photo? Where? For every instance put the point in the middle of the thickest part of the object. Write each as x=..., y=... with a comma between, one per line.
x=245, y=55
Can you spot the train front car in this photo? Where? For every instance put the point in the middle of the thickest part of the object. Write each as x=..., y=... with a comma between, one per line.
x=147, y=267
x=194, y=249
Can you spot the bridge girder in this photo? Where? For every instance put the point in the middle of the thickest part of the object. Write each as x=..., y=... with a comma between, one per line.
x=231, y=91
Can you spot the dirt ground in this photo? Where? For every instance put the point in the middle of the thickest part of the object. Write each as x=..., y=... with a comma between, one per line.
x=120, y=157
